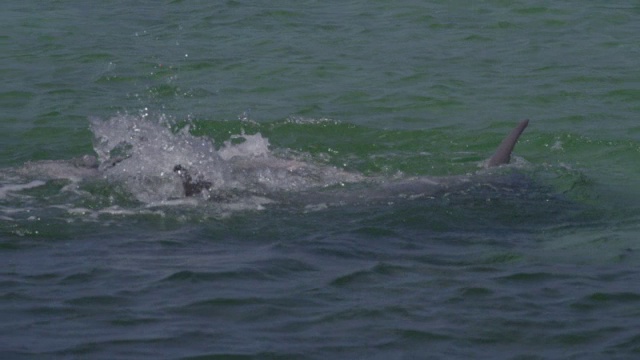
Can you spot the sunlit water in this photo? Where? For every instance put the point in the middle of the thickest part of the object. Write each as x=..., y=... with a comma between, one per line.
x=322, y=128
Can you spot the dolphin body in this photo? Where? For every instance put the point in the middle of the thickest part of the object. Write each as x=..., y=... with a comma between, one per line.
x=503, y=153
x=370, y=188
x=76, y=169
x=408, y=188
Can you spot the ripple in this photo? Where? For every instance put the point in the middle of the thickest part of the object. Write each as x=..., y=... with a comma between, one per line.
x=529, y=277
x=97, y=300
x=196, y=277
x=271, y=269
x=81, y=277
x=416, y=335
x=368, y=276
x=15, y=99
x=627, y=95
x=600, y=300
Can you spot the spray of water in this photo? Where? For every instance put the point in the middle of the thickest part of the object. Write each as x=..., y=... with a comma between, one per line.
x=142, y=154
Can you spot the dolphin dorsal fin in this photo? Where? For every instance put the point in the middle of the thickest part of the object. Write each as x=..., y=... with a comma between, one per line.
x=503, y=153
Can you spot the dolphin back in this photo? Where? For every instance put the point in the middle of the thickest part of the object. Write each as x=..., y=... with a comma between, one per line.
x=503, y=153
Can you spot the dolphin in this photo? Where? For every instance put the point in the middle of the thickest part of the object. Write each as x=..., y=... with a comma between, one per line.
x=414, y=186
x=189, y=181
x=502, y=155
x=76, y=169
x=190, y=186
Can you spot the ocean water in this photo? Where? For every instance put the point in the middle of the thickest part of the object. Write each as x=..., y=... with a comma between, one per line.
x=321, y=128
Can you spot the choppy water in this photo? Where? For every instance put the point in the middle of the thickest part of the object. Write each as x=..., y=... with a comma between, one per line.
x=304, y=116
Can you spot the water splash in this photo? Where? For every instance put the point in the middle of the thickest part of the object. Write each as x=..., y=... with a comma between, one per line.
x=142, y=153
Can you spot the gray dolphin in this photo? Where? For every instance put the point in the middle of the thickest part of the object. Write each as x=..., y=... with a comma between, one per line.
x=503, y=152
x=414, y=186
x=197, y=184
x=76, y=169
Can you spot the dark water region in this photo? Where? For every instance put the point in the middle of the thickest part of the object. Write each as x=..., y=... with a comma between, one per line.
x=304, y=115
x=382, y=285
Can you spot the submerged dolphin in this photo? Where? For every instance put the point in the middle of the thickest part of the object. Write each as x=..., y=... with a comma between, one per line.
x=266, y=176
x=409, y=187
x=503, y=153
x=76, y=169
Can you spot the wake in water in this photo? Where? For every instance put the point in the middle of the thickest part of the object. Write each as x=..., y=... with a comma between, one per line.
x=158, y=166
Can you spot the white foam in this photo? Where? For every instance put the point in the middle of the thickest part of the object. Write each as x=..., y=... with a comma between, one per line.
x=252, y=146
x=141, y=153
